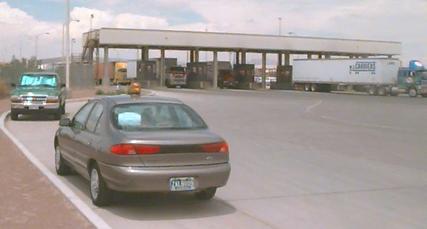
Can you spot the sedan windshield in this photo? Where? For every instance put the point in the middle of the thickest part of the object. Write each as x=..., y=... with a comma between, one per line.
x=155, y=116
x=38, y=80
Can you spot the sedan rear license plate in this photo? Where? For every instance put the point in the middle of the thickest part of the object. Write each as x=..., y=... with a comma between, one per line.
x=177, y=184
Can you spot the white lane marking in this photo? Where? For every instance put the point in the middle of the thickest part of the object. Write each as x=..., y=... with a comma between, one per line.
x=94, y=218
x=311, y=107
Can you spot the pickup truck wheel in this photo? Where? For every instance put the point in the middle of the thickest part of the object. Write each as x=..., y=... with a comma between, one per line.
x=14, y=116
x=61, y=166
x=206, y=194
x=413, y=92
x=99, y=192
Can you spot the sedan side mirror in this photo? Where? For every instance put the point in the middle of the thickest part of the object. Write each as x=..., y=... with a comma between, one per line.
x=13, y=85
x=65, y=121
x=62, y=85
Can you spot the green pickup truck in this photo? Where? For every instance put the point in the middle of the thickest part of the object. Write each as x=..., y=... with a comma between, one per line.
x=38, y=93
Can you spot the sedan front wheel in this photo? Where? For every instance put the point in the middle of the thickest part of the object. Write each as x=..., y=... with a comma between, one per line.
x=99, y=192
x=61, y=167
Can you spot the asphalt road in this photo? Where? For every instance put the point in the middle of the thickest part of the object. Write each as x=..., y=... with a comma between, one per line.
x=299, y=160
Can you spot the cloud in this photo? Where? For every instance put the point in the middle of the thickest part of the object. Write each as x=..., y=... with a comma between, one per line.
x=373, y=19
x=19, y=32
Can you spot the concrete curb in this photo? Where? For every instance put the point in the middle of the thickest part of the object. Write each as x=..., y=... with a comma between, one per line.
x=87, y=211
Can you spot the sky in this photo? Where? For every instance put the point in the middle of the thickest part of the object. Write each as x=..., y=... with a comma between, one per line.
x=390, y=20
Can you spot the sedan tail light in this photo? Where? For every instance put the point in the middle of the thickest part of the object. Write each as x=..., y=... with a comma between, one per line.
x=134, y=149
x=220, y=147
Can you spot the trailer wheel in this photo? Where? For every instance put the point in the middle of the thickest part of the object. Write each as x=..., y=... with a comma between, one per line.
x=372, y=90
x=382, y=91
x=413, y=92
x=314, y=87
x=307, y=87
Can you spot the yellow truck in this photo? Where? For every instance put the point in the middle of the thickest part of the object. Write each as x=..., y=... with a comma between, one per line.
x=120, y=74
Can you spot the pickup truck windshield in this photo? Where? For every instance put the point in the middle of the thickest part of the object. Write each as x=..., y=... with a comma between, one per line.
x=155, y=116
x=38, y=80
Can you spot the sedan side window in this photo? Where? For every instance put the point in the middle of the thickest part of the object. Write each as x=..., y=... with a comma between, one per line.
x=94, y=117
x=80, y=118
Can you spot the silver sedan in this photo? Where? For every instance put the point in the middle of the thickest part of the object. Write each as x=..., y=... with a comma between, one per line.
x=141, y=144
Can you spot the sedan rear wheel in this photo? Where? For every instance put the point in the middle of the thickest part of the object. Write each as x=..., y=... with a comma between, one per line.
x=206, y=194
x=61, y=167
x=99, y=192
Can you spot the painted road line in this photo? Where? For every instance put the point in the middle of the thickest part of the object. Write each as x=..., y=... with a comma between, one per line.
x=94, y=218
x=311, y=107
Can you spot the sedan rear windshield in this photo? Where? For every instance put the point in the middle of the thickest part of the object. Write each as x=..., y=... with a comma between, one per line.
x=156, y=116
x=38, y=80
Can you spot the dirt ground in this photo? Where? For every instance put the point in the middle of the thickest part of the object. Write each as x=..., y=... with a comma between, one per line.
x=28, y=199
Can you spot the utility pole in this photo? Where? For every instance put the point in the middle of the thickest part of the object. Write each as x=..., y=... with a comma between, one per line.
x=73, y=41
x=67, y=45
x=63, y=35
x=91, y=19
x=280, y=26
x=206, y=53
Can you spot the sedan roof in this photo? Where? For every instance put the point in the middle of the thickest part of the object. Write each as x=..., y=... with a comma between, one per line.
x=40, y=73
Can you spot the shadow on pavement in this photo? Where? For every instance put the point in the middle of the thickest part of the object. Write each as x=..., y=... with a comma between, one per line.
x=167, y=206
x=158, y=206
x=36, y=117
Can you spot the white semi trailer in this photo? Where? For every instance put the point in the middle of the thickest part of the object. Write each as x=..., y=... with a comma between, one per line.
x=376, y=76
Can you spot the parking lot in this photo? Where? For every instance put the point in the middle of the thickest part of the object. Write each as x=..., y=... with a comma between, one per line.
x=299, y=160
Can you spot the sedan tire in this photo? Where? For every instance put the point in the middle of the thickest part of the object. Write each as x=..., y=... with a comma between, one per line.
x=206, y=194
x=99, y=192
x=61, y=166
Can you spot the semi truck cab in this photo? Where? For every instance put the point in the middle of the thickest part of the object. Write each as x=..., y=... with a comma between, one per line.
x=412, y=80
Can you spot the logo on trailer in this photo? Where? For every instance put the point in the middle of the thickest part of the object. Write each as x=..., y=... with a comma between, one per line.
x=363, y=66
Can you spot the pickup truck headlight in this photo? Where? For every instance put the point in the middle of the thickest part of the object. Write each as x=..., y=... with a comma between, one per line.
x=15, y=99
x=52, y=99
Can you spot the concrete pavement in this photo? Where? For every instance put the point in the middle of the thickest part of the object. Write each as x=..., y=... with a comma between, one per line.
x=299, y=160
